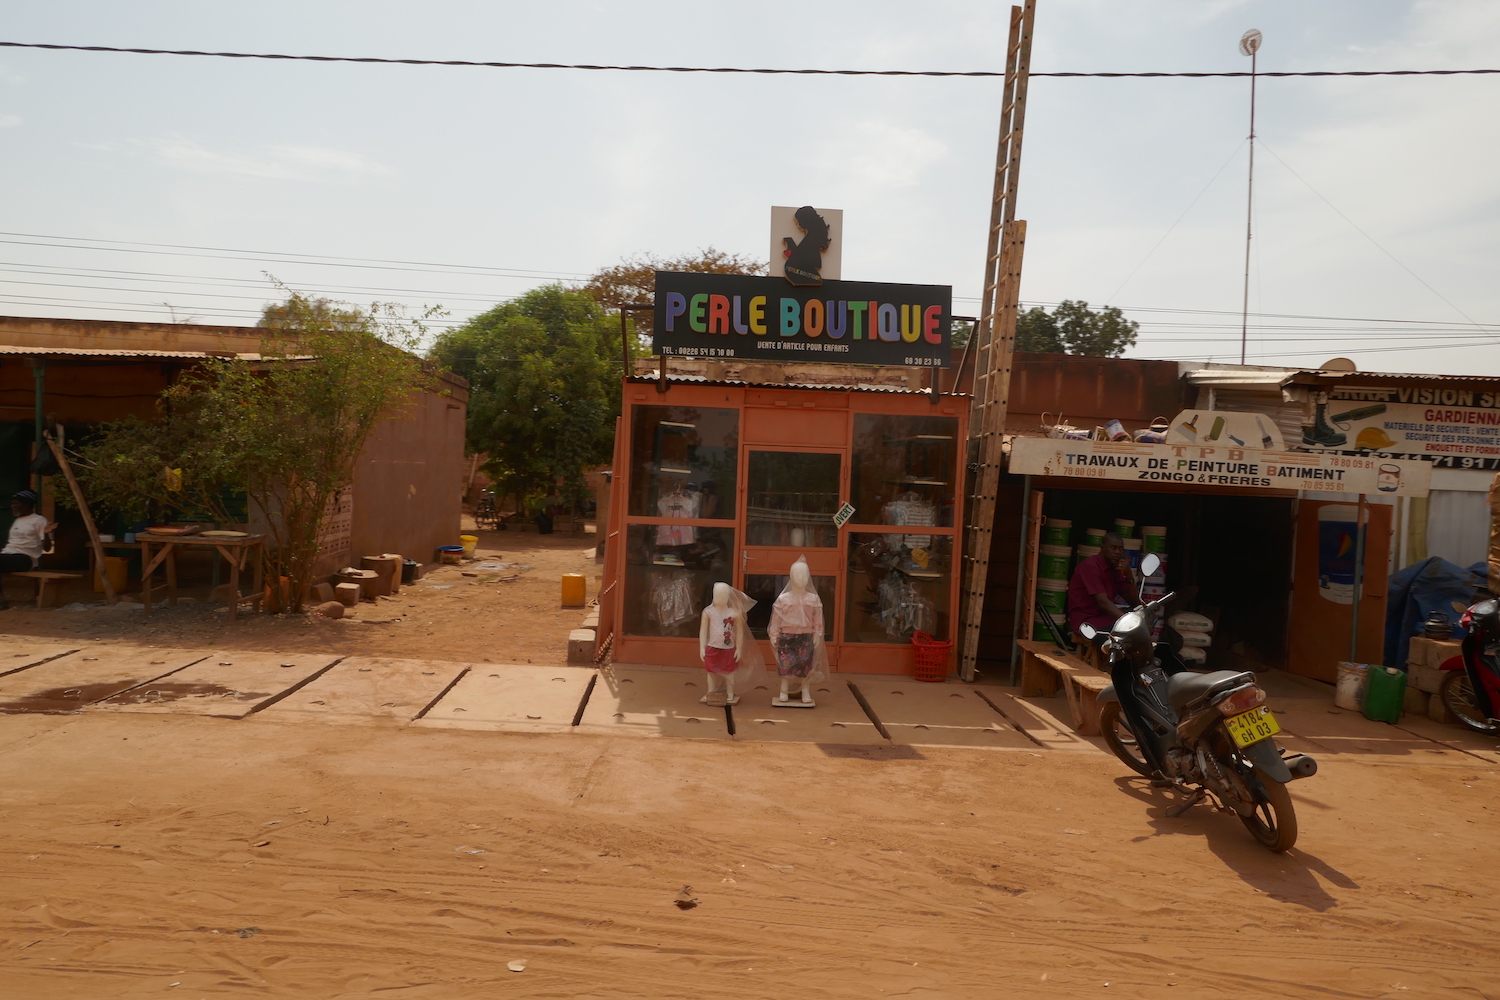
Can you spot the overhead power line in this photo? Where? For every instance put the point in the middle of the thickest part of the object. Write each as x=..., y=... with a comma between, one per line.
x=701, y=69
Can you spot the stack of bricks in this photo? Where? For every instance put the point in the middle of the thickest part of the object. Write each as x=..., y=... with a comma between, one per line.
x=1424, y=674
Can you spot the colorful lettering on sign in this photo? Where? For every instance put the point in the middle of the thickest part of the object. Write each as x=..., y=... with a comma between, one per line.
x=791, y=317
x=739, y=326
x=838, y=319
x=758, y=315
x=856, y=318
x=931, y=320
x=910, y=330
x=676, y=306
x=890, y=328
x=696, y=305
x=812, y=318
x=718, y=314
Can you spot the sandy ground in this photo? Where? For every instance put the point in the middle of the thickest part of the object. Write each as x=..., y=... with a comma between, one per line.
x=453, y=613
x=278, y=856
x=197, y=857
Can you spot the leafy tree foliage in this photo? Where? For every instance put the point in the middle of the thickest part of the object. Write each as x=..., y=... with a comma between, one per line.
x=283, y=433
x=1074, y=328
x=633, y=280
x=544, y=375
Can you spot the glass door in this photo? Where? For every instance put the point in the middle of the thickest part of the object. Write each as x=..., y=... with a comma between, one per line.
x=790, y=500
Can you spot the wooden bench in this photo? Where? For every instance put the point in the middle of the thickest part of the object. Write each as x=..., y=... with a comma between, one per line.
x=44, y=578
x=1045, y=668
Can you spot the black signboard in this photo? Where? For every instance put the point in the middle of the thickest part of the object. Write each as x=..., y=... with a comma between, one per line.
x=756, y=318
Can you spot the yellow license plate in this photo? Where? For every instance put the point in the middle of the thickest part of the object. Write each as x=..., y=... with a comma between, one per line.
x=1252, y=726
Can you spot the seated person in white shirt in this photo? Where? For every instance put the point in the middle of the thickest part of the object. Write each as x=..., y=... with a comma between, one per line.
x=28, y=537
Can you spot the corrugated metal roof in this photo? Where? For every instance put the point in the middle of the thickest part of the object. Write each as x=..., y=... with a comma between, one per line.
x=93, y=352
x=828, y=387
x=1267, y=379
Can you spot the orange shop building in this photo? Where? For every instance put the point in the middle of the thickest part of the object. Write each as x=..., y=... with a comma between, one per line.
x=721, y=480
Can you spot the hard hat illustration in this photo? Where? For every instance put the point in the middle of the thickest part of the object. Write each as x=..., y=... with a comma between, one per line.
x=1373, y=439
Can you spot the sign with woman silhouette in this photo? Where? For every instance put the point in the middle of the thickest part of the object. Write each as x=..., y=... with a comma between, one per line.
x=806, y=244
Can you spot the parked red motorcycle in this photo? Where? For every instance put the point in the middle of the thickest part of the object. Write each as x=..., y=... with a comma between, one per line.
x=1472, y=691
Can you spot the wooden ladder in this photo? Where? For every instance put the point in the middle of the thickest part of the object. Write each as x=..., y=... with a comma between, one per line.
x=994, y=337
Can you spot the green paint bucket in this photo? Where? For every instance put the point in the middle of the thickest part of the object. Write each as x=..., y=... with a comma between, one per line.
x=1124, y=528
x=1094, y=537
x=1154, y=537
x=1052, y=562
x=1084, y=551
x=1056, y=531
x=1052, y=595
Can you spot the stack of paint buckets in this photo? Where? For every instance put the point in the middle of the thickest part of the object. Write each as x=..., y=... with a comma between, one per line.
x=1053, y=564
x=1154, y=540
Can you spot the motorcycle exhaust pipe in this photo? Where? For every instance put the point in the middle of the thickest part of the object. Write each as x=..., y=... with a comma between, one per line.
x=1301, y=765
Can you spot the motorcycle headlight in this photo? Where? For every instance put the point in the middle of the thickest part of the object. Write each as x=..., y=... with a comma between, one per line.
x=1126, y=623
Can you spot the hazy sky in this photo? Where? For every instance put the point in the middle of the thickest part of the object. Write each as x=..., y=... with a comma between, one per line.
x=1134, y=190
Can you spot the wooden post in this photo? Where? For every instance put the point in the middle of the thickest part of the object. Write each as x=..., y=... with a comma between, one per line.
x=88, y=519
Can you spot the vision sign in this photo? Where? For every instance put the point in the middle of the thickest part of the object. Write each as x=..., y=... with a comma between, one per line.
x=1225, y=467
x=755, y=318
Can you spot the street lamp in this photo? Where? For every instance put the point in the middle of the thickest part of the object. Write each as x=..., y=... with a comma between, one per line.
x=1249, y=46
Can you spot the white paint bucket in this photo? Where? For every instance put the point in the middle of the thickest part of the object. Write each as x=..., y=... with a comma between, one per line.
x=1349, y=690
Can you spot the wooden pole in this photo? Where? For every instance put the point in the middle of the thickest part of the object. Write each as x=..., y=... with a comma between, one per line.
x=88, y=519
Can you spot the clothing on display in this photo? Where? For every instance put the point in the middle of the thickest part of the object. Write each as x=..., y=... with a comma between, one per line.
x=725, y=643
x=910, y=509
x=903, y=610
x=682, y=505
x=672, y=597
x=796, y=628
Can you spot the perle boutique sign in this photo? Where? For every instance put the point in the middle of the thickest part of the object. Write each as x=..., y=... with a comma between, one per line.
x=799, y=315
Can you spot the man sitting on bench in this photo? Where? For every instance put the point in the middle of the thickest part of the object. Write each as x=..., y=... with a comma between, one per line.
x=1096, y=592
x=28, y=538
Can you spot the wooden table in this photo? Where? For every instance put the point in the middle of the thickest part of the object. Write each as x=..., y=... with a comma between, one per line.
x=234, y=550
x=1045, y=668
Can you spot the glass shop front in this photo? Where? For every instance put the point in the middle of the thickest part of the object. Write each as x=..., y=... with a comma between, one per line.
x=733, y=483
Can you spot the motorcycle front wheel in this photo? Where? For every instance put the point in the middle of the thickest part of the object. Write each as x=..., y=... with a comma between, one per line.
x=1457, y=694
x=1120, y=740
x=1273, y=824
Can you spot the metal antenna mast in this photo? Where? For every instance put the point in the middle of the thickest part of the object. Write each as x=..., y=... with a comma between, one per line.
x=1249, y=46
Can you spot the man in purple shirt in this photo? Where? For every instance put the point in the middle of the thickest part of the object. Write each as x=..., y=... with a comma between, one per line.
x=1097, y=582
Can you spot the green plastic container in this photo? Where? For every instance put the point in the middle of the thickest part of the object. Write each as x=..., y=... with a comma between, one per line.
x=1057, y=532
x=1385, y=694
x=1052, y=595
x=1124, y=528
x=1155, y=538
x=1052, y=562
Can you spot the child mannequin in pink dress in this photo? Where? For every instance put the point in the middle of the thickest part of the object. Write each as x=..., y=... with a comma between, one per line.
x=725, y=646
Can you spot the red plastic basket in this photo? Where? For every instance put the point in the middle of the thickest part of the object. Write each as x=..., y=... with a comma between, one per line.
x=931, y=657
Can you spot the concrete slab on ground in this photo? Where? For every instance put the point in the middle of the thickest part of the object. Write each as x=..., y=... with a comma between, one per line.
x=952, y=715
x=367, y=689
x=1044, y=720
x=509, y=698
x=228, y=685
x=22, y=652
x=836, y=718
x=652, y=703
x=922, y=735
x=88, y=675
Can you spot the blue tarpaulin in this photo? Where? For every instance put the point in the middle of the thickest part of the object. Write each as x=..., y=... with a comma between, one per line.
x=1419, y=590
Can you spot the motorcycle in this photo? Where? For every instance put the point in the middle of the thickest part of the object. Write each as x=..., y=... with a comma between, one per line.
x=1208, y=734
x=1472, y=691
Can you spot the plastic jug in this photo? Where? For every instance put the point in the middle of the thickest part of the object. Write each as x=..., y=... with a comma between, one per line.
x=1385, y=694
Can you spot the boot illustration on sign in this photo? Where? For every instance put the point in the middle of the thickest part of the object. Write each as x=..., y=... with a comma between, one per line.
x=804, y=260
x=1321, y=434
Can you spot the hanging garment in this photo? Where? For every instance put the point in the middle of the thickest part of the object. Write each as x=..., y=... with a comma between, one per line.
x=910, y=509
x=672, y=597
x=680, y=506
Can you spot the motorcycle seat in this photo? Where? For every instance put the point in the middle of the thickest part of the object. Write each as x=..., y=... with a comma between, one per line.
x=1184, y=689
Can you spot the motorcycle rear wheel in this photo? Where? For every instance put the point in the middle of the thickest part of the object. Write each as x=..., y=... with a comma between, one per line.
x=1273, y=824
x=1457, y=694
x=1120, y=740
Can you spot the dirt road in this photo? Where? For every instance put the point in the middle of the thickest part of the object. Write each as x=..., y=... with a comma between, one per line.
x=189, y=856
x=198, y=857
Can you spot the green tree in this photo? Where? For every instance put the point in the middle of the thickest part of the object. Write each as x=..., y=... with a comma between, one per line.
x=544, y=376
x=284, y=432
x=1074, y=328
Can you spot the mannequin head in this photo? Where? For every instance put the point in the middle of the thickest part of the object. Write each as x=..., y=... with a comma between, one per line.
x=721, y=595
x=801, y=576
